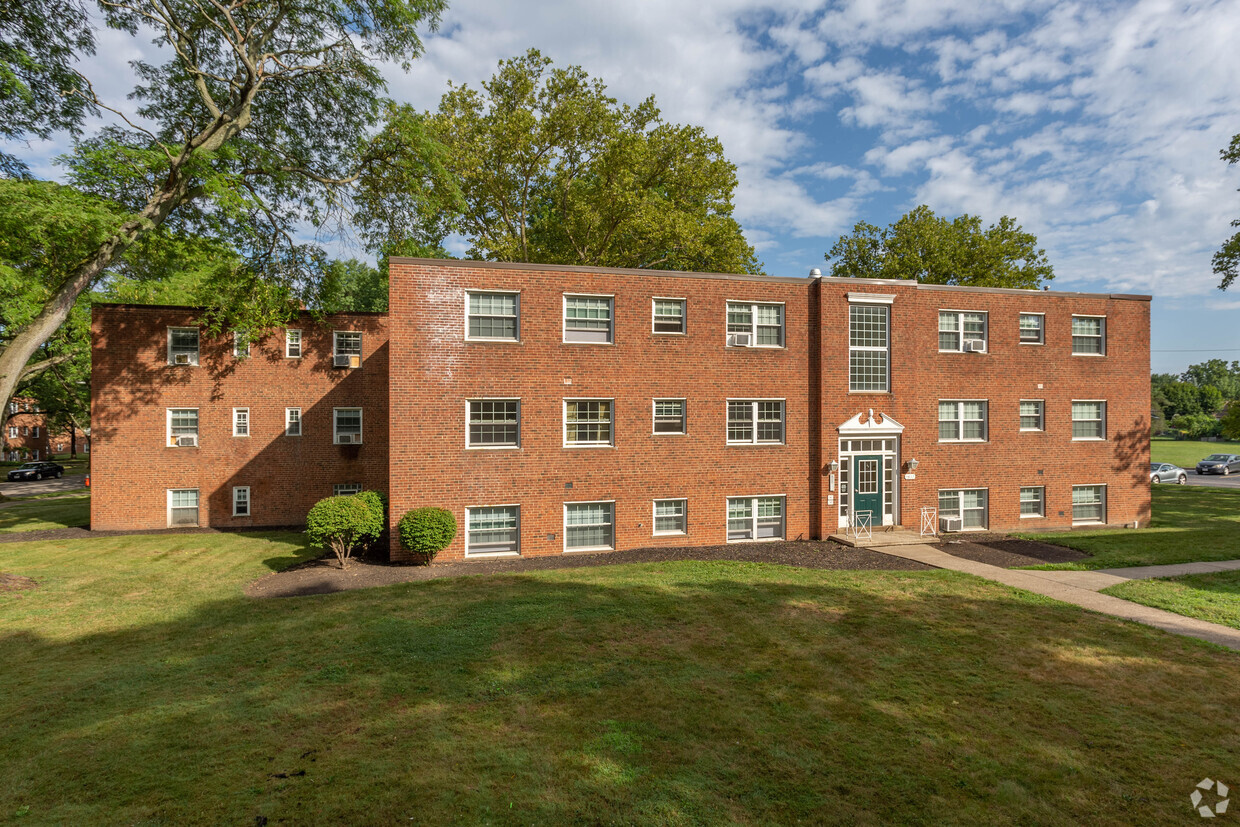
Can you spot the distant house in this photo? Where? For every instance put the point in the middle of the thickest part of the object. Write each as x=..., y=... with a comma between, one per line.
x=26, y=435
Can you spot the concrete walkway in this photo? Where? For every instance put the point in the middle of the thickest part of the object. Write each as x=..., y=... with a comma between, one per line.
x=1080, y=588
x=1176, y=570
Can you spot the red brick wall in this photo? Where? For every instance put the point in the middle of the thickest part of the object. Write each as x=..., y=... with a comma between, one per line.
x=133, y=385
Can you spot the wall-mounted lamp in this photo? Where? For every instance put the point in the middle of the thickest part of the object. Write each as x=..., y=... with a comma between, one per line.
x=912, y=464
x=834, y=466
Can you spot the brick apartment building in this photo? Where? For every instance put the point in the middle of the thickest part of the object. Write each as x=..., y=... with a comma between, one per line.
x=26, y=435
x=555, y=409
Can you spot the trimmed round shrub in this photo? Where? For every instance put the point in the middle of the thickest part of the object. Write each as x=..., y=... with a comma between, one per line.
x=344, y=524
x=376, y=501
x=426, y=531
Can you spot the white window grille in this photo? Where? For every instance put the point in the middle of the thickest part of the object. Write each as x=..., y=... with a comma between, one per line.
x=347, y=428
x=1089, y=503
x=493, y=530
x=1032, y=415
x=1088, y=335
x=182, y=345
x=346, y=349
x=1032, y=502
x=241, y=344
x=182, y=507
x=494, y=423
x=669, y=416
x=755, y=325
x=241, y=501
x=1089, y=420
x=588, y=319
x=669, y=315
x=869, y=347
x=755, y=421
x=755, y=518
x=1031, y=329
x=241, y=421
x=292, y=421
x=491, y=315
x=587, y=422
x=346, y=489
x=969, y=505
x=959, y=327
x=589, y=526
x=182, y=427
x=962, y=420
x=292, y=343
x=671, y=516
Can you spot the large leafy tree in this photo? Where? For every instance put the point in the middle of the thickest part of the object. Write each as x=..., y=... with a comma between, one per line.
x=1227, y=260
x=251, y=128
x=934, y=250
x=541, y=165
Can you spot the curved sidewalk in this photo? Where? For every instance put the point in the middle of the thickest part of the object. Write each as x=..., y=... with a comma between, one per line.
x=1080, y=588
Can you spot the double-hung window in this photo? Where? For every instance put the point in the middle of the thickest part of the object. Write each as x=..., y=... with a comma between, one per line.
x=182, y=345
x=669, y=315
x=755, y=325
x=493, y=529
x=1089, y=419
x=492, y=316
x=1031, y=329
x=869, y=345
x=1032, y=415
x=1033, y=501
x=968, y=504
x=241, y=343
x=494, y=423
x=962, y=330
x=589, y=526
x=587, y=423
x=292, y=343
x=241, y=501
x=670, y=517
x=241, y=421
x=669, y=416
x=962, y=420
x=755, y=518
x=346, y=349
x=588, y=319
x=347, y=426
x=1089, y=336
x=1089, y=503
x=34, y=431
x=182, y=507
x=13, y=431
x=182, y=427
x=346, y=489
x=755, y=421
x=292, y=421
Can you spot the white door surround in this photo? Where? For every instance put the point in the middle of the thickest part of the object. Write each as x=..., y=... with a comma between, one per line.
x=865, y=434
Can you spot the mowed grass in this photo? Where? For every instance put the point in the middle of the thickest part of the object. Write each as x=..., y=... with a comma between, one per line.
x=1188, y=453
x=1189, y=524
x=140, y=686
x=40, y=514
x=1214, y=597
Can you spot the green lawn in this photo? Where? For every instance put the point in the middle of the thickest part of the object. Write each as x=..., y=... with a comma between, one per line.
x=38, y=514
x=1189, y=524
x=51, y=495
x=1186, y=454
x=140, y=686
x=1213, y=597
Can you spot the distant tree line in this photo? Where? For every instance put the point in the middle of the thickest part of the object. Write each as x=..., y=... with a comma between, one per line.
x=1203, y=401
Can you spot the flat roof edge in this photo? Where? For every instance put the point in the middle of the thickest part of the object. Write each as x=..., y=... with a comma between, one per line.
x=577, y=268
x=1015, y=291
x=194, y=307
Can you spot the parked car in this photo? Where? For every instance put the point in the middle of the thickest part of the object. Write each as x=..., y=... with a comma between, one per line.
x=1219, y=464
x=1166, y=472
x=36, y=471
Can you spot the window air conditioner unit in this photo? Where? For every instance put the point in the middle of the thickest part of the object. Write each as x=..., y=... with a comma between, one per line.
x=740, y=339
x=349, y=439
x=951, y=524
x=190, y=441
x=343, y=360
x=974, y=346
x=181, y=359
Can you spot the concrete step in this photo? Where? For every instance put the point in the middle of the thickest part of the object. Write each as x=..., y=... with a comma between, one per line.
x=882, y=538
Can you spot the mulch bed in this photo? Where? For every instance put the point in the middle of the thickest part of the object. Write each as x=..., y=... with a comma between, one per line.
x=15, y=582
x=1009, y=553
x=323, y=576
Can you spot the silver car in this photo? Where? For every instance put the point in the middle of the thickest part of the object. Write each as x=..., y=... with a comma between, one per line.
x=1219, y=464
x=1166, y=472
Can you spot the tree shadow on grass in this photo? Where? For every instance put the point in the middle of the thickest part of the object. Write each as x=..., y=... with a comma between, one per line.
x=674, y=692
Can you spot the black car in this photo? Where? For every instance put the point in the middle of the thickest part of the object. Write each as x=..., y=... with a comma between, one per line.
x=36, y=471
x=1219, y=464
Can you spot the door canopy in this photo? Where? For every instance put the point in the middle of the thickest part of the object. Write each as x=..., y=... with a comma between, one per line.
x=870, y=424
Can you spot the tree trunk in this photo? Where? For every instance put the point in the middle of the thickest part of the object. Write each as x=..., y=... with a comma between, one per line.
x=72, y=440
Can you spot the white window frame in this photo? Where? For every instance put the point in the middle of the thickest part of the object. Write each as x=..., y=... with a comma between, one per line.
x=244, y=492
x=469, y=444
x=611, y=547
x=34, y=431
x=197, y=506
x=753, y=518
x=169, y=437
x=241, y=422
x=12, y=432
x=753, y=323
x=960, y=340
x=1102, y=420
x=885, y=350
x=611, y=425
x=959, y=492
x=1041, y=317
x=1041, y=403
x=238, y=351
x=1020, y=502
x=611, y=320
x=468, y=533
x=293, y=341
x=960, y=420
x=336, y=425
x=783, y=422
x=193, y=357
x=1102, y=502
x=292, y=416
x=337, y=335
x=683, y=515
x=516, y=337
x=684, y=314
x=654, y=416
x=346, y=489
x=1101, y=337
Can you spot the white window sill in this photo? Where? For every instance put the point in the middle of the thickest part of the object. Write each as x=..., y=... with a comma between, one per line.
x=1088, y=522
x=589, y=344
x=588, y=445
x=1089, y=439
x=493, y=341
x=346, y=443
x=869, y=393
x=1033, y=516
x=755, y=347
x=669, y=433
x=963, y=441
x=761, y=540
x=1094, y=355
x=670, y=534
x=1031, y=343
x=1033, y=430
x=590, y=548
x=665, y=333
x=492, y=447
x=485, y=554
x=755, y=444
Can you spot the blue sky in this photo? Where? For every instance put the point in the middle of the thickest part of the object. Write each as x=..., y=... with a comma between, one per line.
x=1095, y=125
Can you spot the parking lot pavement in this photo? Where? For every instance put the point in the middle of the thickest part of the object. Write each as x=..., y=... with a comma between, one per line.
x=25, y=489
x=1231, y=481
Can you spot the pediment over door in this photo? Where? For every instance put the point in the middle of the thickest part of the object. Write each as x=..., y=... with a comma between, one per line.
x=870, y=423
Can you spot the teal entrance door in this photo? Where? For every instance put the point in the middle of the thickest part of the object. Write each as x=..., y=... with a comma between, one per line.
x=867, y=474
